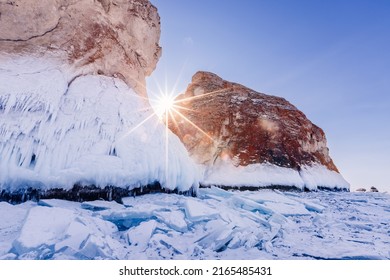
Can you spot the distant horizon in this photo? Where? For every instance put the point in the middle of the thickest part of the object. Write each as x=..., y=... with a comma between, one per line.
x=330, y=60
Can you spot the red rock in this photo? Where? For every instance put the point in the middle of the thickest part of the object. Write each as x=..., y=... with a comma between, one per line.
x=245, y=126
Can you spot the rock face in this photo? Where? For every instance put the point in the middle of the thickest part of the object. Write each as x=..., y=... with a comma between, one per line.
x=111, y=37
x=236, y=125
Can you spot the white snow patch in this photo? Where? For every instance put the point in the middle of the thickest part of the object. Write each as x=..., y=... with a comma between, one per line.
x=319, y=176
x=256, y=175
x=225, y=173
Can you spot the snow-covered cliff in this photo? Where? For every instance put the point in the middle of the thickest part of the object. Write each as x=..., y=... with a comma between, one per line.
x=73, y=106
x=92, y=130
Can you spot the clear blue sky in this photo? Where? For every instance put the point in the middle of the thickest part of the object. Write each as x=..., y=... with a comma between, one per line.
x=331, y=59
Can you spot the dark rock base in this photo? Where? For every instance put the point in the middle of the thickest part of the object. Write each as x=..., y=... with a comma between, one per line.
x=276, y=187
x=84, y=193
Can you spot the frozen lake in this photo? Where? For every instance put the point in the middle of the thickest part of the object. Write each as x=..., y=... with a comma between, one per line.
x=217, y=224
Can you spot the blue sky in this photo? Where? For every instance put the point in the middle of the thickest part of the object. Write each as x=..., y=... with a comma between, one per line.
x=331, y=59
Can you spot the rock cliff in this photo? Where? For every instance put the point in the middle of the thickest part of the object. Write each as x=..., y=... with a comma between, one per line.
x=239, y=127
x=74, y=120
x=116, y=38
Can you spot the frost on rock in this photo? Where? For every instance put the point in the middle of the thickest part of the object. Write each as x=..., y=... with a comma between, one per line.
x=92, y=130
x=217, y=225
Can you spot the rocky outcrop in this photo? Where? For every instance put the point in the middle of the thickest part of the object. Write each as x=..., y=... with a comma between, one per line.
x=116, y=38
x=222, y=122
x=70, y=127
x=361, y=190
x=373, y=189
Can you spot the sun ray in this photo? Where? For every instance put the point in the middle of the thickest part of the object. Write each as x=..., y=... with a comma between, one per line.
x=182, y=108
x=175, y=123
x=137, y=126
x=194, y=125
x=170, y=110
x=198, y=96
x=166, y=151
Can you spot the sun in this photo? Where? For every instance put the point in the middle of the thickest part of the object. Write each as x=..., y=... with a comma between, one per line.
x=165, y=104
x=169, y=107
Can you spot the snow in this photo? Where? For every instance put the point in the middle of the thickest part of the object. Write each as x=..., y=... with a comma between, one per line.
x=217, y=224
x=225, y=173
x=319, y=176
x=57, y=130
x=262, y=175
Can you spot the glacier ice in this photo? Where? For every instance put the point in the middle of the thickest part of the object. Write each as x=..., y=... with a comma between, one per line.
x=57, y=130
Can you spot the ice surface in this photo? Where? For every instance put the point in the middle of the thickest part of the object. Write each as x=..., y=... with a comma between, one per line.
x=55, y=132
x=280, y=203
x=99, y=205
x=48, y=231
x=140, y=235
x=127, y=217
x=220, y=234
x=11, y=221
x=218, y=224
x=199, y=211
x=43, y=226
x=59, y=203
x=174, y=220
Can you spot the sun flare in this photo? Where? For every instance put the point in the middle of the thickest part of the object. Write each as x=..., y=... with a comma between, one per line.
x=169, y=109
x=165, y=104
